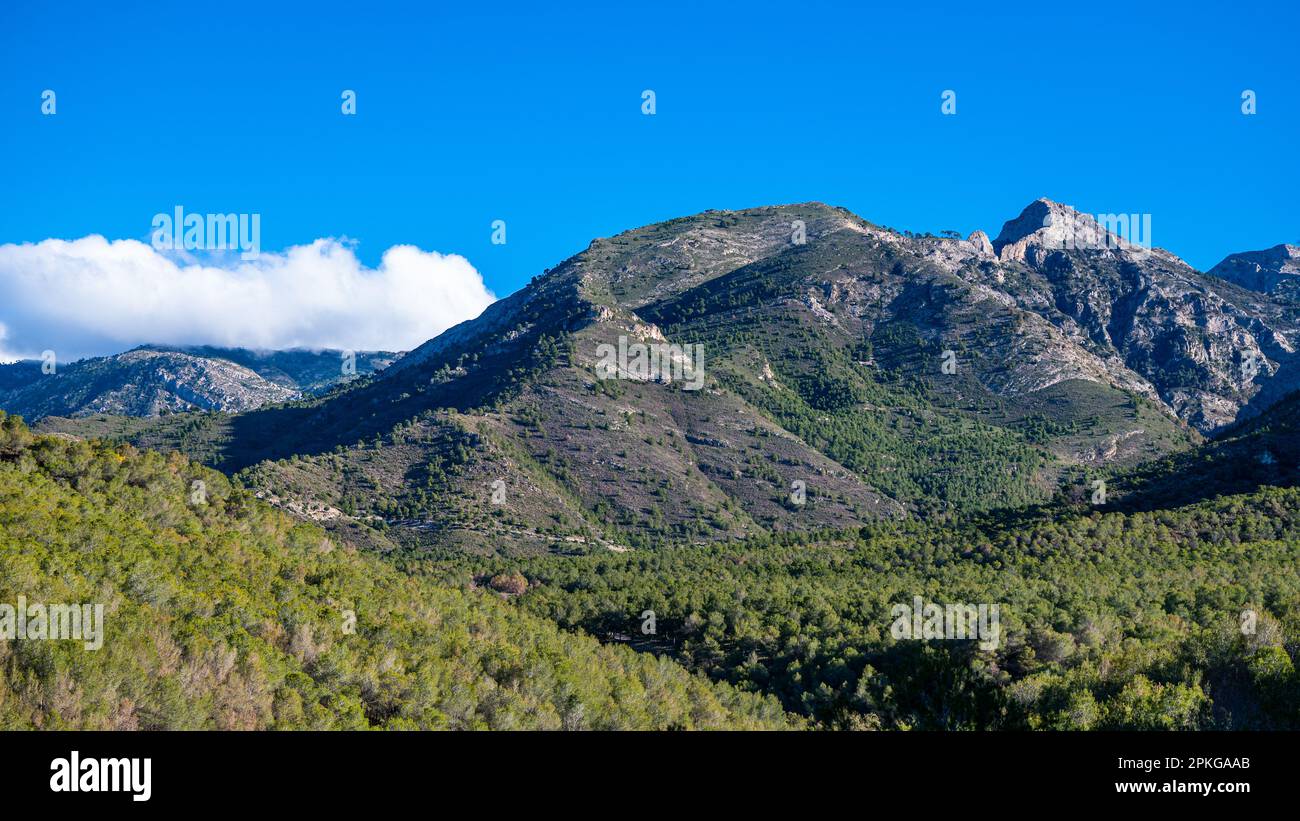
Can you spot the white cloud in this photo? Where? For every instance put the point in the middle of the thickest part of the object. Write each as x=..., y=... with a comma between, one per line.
x=89, y=297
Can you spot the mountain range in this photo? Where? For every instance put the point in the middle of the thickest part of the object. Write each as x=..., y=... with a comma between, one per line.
x=850, y=372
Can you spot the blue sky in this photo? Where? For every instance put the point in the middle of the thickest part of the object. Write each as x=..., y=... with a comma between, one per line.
x=531, y=114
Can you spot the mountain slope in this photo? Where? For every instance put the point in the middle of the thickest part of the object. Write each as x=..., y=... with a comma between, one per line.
x=222, y=613
x=1261, y=451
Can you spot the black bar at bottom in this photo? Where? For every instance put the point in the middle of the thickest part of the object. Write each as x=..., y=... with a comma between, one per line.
x=223, y=771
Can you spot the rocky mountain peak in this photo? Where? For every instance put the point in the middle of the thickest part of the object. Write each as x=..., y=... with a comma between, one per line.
x=1047, y=224
x=1044, y=223
x=980, y=240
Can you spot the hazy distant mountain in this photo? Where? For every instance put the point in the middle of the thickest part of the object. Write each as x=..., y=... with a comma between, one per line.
x=300, y=369
x=1275, y=270
x=153, y=380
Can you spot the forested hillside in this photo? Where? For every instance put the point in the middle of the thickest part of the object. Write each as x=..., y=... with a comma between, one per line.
x=1174, y=619
x=222, y=613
